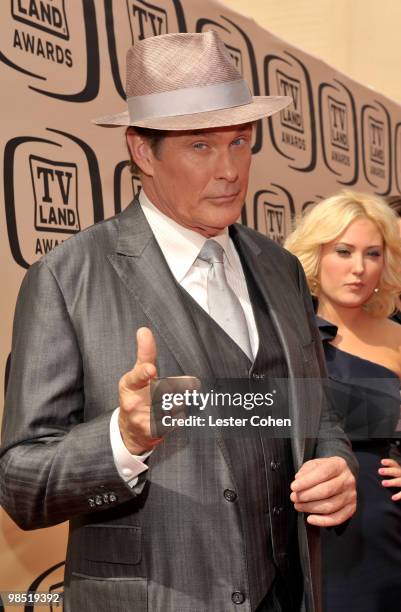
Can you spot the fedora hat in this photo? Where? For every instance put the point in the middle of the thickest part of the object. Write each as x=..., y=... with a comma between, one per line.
x=186, y=82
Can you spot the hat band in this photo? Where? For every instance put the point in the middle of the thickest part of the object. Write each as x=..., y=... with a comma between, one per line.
x=189, y=100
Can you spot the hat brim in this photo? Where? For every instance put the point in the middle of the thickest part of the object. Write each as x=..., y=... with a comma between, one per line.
x=260, y=107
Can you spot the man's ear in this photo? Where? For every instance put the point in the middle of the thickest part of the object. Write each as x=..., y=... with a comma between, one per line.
x=141, y=151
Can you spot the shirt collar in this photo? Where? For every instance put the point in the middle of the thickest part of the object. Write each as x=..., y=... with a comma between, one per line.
x=179, y=245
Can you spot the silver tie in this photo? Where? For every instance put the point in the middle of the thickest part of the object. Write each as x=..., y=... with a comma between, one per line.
x=224, y=306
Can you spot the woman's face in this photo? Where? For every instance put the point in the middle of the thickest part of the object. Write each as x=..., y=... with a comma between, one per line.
x=351, y=265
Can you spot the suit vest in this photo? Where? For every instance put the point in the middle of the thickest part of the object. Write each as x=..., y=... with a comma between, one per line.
x=262, y=464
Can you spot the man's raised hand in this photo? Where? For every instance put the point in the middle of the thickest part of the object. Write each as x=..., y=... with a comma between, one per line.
x=135, y=396
x=135, y=400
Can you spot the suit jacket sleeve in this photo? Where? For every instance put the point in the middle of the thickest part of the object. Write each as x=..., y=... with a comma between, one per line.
x=52, y=463
x=332, y=440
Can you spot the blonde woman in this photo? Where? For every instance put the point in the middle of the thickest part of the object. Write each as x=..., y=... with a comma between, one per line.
x=350, y=249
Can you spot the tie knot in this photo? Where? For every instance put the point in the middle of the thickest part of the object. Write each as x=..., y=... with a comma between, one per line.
x=212, y=252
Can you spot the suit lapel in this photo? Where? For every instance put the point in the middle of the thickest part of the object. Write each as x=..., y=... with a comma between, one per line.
x=289, y=323
x=141, y=266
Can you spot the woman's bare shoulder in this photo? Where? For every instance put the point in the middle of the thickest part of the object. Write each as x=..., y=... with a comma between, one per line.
x=392, y=334
x=393, y=327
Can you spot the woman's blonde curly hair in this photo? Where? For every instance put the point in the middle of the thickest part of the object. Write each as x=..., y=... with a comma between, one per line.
x=328, y=220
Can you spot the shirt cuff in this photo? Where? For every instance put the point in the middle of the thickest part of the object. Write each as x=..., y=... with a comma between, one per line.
x=128, y=466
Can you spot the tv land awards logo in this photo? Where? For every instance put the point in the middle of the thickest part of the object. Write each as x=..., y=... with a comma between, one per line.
x=43, y=192
x=376, y=142
x=376, y=146
x=292, y=116
x=273, y=212
x=39, y=35
x=55, y=188
x=338, y=131
x=139, y=19
x=240, y=49
x=293, y=130
x=339, y=136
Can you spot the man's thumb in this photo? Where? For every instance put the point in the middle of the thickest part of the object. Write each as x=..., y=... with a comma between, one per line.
x=146, y=352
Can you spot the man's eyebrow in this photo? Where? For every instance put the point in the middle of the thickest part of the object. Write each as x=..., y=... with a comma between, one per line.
x=196, y=133
x=201, y=132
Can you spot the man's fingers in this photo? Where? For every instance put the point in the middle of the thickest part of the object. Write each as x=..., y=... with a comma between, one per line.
x=326, y=490
x=321, y=491
x=170, y=395
x=316, y=471
x=171, y=399
x=331, y=520
x=138, y=377
x=146, y=343
x=172, y=385
x=325, y=506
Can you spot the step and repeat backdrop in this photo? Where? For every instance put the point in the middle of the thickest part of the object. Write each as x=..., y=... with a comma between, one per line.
x=62, y=63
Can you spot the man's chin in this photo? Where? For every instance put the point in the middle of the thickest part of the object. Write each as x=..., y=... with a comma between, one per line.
x=224, y=215
x=216, y=228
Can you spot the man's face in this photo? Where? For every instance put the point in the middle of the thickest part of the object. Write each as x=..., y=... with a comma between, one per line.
x=200, y=178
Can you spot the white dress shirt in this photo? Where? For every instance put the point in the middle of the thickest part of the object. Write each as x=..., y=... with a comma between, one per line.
x=181, y=247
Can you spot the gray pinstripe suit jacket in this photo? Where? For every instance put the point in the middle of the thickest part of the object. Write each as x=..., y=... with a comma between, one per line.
x=151, y=548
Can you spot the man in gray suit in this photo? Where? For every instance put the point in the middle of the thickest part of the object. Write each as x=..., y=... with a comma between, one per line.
x=181, y=522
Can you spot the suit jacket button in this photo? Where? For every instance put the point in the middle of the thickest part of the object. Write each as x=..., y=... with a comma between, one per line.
x=91, y=502
x=99, y=500
x=230, y=495
x=275, y=465
x=277, y=510
x=257, y=376
x=237, y=597
x=112, y=497
x=106, y=499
